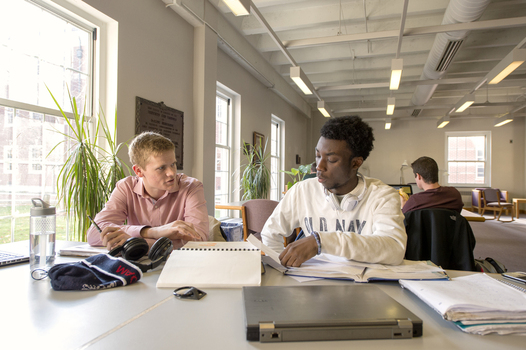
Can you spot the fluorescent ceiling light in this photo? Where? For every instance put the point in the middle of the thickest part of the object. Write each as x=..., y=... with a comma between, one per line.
x=443, y=122
x=388, y=124
x=396, y=73
x=238, y=7
x=508, y=64
x=301, y=80
x=390, y=105
x=505, y=119
x=464, y=103
x=323, y=109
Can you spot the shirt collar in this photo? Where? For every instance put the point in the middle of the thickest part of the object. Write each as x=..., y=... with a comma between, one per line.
x=139, y=188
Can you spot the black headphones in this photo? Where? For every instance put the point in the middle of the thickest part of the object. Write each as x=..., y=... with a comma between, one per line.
x=135, y=248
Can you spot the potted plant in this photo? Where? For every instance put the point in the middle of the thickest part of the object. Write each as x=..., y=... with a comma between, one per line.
x=297, y=174
x=255, y=181
x=90, y=172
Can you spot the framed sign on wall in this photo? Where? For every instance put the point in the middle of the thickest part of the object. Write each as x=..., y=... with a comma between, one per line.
x=157, y=117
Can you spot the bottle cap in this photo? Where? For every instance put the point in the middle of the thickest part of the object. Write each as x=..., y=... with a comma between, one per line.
x=41, y=208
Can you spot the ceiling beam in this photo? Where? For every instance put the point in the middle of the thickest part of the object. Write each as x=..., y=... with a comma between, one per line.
x=478, y=25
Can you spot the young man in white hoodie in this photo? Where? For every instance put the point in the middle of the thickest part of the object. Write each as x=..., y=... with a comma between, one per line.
x=341, y=212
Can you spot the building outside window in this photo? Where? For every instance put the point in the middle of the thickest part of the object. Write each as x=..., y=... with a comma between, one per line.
x=276, y=158
x=468, y=159
x=41, y=48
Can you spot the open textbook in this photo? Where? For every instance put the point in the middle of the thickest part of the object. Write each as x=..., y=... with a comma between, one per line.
x=325, y=266
x=477, y=303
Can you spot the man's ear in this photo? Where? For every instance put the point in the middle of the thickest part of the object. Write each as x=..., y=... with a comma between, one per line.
x=356, y=162
x=137, y=170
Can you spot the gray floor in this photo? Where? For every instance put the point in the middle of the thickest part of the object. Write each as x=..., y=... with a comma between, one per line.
x=503, y=241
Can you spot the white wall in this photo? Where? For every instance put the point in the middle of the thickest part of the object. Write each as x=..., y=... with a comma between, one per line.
x=257, y=106
x=155, y=60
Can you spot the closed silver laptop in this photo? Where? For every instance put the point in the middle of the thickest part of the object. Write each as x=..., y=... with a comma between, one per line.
x=323, y=312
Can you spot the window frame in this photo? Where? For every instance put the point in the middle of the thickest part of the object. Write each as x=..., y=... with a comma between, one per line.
x=84, y=17
x=280, y=161
x=230, y=97
x=487, y=161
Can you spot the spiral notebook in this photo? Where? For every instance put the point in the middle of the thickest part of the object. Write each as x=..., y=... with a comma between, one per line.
x=212, y=265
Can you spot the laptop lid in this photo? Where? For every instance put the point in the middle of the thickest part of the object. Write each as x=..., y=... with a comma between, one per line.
x=314, y=313
x=14, y=253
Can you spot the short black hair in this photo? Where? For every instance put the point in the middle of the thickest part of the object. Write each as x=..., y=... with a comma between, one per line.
x=357, y=133
x=427, y=168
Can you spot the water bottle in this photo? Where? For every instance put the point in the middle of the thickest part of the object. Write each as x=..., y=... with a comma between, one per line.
x=42, y=231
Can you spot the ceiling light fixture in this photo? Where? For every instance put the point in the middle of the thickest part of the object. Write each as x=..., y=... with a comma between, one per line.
x=388, y=124
x=505, y=119
x=508, y=64
x=390, y=106
x=443, y=122
x=323, y=109
x=396, y=73
x=297, y=75
x=238, y=7
x=464, y=103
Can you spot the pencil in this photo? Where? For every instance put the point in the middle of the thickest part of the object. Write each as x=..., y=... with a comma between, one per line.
x=94, y=223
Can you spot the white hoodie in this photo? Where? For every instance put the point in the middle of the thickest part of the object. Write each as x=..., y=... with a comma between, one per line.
x=372, y=230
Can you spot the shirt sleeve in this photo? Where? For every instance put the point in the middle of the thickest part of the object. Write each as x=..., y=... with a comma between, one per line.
x=196, y=212
x=114, y=214
x=281, y=223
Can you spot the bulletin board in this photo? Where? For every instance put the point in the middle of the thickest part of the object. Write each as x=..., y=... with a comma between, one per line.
x=157, y=117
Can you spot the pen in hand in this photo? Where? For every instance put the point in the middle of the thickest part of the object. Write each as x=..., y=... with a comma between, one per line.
x=95, y=224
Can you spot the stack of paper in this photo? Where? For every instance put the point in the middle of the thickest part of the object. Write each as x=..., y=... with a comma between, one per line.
x=325, y=266
x=478, y=303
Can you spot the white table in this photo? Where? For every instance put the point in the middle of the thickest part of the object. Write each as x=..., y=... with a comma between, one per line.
x=141, y=316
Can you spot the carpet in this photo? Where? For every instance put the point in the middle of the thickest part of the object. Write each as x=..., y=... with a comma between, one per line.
x=503, y=241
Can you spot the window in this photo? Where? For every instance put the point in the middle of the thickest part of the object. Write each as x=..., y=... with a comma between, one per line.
x=223, y=151
x=468, y=158
x=275, y=158
x=41, y=47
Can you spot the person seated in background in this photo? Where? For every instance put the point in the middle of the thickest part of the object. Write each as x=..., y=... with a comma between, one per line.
x=342, y=213
x=434, y=195
x=157, y=202
x=312, y=172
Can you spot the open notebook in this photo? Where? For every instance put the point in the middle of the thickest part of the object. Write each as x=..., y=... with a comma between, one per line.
x=212, y=265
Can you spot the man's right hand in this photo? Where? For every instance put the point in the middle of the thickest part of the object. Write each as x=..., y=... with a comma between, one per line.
x=175, y=230
x=113, y=236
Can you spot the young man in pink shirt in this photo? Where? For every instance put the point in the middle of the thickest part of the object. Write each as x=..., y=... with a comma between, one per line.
x=156, y=202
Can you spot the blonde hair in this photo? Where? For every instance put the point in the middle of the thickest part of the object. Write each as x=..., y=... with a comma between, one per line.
x=146, y=144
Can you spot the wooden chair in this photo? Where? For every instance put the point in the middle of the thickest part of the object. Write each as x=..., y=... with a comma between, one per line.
x=493, y=201
x=479, y=201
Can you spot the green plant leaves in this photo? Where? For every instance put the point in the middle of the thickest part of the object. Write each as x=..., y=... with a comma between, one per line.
x=297, y=174
x=90, y=172
x=256, y=177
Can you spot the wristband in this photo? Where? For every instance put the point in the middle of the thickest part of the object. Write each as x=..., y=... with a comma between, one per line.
x=318, y=242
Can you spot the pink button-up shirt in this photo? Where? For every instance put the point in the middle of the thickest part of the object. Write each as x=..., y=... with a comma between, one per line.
x=130, y=203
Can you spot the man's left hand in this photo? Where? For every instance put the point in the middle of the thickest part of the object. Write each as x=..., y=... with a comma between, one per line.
x=296, y=253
